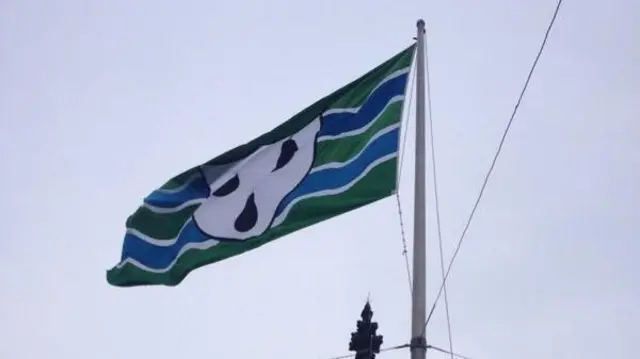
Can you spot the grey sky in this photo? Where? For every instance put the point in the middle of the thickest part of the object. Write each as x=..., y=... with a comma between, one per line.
x=101, y=101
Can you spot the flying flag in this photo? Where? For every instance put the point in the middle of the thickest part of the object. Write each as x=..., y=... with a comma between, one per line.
x=335, y=156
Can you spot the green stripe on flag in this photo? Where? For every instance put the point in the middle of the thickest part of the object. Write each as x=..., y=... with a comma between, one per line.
x=161, y=226
x=349, y=96
x=330, y=151
x=180, y=180
x=358, y=94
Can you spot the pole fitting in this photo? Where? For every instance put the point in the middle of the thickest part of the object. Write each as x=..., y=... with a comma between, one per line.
x=418, y=343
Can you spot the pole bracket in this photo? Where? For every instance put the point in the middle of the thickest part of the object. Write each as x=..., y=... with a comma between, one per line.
x=418, y=343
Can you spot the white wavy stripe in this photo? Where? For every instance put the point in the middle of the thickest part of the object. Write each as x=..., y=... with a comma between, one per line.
x=157, y=242
x=357, y=131
x=378, y=134
x=164, y=210
x=199, y=246
x=190, y=179
x=389, y=77
x=329, y=192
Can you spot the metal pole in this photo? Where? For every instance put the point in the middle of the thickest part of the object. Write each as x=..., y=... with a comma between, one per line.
x=419, y=299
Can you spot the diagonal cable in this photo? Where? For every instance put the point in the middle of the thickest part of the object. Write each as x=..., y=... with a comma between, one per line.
x=453, y=355
x=400, y=215
x=495, y=158
x=381, y=351
x=436, y=201
x=402, y=346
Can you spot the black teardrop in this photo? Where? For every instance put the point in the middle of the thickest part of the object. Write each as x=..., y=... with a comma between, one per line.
x=229, y=186
x=248, y=217
x=287, y=150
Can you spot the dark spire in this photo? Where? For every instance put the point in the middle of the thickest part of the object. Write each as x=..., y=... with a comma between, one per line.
x=366, y=313
x=365, y=341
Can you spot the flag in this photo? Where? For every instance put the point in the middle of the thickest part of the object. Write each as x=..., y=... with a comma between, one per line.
x=337, y=155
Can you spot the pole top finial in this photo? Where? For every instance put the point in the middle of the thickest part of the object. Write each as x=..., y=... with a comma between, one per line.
x=420, y=23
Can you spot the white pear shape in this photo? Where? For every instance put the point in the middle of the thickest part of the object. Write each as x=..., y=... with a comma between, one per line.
x=245, y=195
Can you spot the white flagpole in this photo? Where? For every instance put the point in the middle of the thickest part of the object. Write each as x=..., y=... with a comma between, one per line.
x=419, y=299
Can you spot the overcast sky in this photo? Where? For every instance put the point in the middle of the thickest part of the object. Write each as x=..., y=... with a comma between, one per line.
x=102, y=101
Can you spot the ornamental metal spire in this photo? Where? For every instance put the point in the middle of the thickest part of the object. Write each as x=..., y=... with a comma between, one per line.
x=365, y=341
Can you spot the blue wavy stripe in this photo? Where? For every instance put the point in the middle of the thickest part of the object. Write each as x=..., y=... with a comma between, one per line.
x=198, y=188
x=160, y=257
x=337, y=123
x=337, y=177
